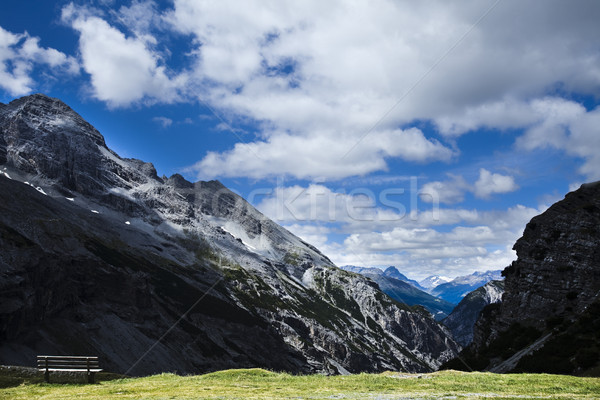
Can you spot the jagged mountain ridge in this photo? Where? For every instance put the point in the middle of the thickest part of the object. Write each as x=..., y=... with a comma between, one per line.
x=403, y=291
x=390, y=271
x=455, y=290
x=109, y=225
x=549, y=317
x=463, y=317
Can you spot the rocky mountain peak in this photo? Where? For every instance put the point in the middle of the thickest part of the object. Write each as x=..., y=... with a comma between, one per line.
x=49, y=115
x=179, y=182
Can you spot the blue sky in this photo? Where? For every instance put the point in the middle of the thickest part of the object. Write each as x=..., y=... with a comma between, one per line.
x=418, y=134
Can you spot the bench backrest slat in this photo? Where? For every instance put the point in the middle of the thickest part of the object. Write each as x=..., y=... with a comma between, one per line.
x=74, y=362
x=69, y=357
x=68, y=362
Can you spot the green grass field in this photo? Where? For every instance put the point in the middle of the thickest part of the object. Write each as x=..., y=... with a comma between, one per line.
x=261, y=384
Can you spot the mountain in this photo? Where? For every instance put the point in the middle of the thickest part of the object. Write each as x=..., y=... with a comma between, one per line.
x=403, y=291
x=455, y=290
x=102, y=256
x=392, y=272
x=463, y=317
x=432, y=281
x=549, y=317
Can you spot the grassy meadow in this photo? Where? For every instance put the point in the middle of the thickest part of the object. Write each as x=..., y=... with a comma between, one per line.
x=261, y=384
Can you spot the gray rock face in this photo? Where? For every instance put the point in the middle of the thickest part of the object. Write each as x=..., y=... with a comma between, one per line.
x=462, y=319
x=549, y=317
x=557, y=273
x=101, y=256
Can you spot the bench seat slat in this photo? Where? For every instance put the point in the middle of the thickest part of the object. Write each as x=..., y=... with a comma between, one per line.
x=69, y=357
x=70, y=370
x=68, y=363
x=68, y=360
x=69, y=366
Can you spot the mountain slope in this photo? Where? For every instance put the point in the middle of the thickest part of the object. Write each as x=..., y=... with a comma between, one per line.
x=102, y=256
x=463, y=317
x=404, y=292
x=455, y=290
x=549, y=318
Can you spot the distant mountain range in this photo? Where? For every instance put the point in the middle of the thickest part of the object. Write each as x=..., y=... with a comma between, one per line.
x=455, y=290
x=404, y=290
x=451, y=291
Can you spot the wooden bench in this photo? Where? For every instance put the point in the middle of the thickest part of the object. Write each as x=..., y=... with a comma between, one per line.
x=49, y=364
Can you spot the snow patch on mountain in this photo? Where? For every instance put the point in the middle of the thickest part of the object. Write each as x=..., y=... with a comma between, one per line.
x=434, y=280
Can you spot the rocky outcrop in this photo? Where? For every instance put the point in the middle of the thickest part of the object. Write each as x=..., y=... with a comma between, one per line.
x=102, y=256
x=552, y=291
x=462, y=319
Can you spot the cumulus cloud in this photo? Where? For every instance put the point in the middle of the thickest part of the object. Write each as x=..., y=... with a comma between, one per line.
x=123, y=70
x=318, y=67
x=453, y=190
x=547, y=122
x=569, y=127
x=490, y=183
x=20, y=53
x=320, y=154
x=312, y=74
x=481, y=241
x=357, y=210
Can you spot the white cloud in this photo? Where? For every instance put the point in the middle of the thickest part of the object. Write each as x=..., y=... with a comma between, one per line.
x=453, y=190
x=569, y=127
x=311, y=75
x=20, y=53
x=123, y=70
x=483, y=240
x=163, y=121
x=320, y=154
x=490, y=183
x=448, y=192
x=548, y=122
x=337, y=69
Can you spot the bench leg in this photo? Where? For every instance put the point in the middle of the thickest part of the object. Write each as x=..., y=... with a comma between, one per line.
x=91, y=377
x=47, y=376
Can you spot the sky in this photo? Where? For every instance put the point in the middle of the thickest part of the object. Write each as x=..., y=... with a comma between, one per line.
x=423, y=135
